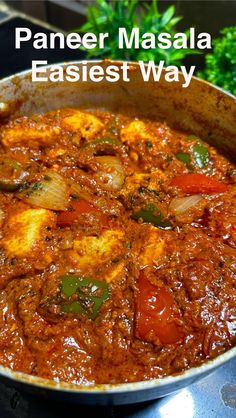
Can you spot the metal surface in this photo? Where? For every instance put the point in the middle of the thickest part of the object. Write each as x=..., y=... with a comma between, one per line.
x=201, y=109
x=212, y=397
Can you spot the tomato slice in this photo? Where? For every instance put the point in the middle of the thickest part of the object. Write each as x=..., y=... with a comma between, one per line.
x=80, y=207
x=156, y=314
x=198, y=183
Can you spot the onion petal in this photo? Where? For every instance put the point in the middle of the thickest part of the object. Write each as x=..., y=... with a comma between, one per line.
x=51, y=192
x=78, y=190
x=180, y=205
x=110, y=173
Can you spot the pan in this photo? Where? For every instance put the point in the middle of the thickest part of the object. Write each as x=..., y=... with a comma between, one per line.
x=202, y=109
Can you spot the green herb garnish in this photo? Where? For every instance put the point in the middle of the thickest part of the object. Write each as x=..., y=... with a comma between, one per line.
x=149, y=144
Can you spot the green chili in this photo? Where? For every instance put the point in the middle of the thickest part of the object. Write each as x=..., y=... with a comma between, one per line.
x=152, y=214
x=91, y=295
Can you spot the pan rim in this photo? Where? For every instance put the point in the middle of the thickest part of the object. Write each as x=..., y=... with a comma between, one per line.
x=112, y=388
x=107, y=61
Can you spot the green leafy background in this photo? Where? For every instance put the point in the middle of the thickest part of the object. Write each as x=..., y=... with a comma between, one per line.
x=104, y=16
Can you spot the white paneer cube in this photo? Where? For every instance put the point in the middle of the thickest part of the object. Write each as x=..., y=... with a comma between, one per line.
x=28, y=133
x=135, y=131
x=82, y=124
x=92, y=251
x=24, y=232
x=152, y=248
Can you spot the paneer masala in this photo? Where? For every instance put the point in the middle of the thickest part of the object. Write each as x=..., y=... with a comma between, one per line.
x=117, y=248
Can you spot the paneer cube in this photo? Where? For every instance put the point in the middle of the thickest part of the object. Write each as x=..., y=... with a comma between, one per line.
x=152, y=248
x=92, y=251
x=147, y=180
x=25, y=232
x=115, y=272
x=136, y=131
x=82, y=124
x=29, y=133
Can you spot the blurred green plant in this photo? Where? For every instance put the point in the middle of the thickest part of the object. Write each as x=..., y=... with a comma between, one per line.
x=221, y=63
x=107, y=16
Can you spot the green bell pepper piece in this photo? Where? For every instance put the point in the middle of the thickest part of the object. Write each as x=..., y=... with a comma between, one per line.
x=184, y=157
x=152, y=214
x=74, y=307
x=91, y=295
x=201, y=155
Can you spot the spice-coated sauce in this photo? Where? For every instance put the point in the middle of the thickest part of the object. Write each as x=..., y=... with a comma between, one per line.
x=117, y=248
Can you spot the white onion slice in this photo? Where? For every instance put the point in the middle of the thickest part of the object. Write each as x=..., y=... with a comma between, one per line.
x=51, y=192
x=78, y=190
x=110, y=173
x=180, y=205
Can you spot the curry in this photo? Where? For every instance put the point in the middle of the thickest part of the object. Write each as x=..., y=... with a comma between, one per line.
x=117, y=248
